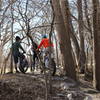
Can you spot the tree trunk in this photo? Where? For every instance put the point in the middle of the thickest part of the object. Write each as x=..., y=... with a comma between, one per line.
x=11, y=69
x=66, y=12
x=82, y=60
x=87, y=17
x=96, y=27
x=0, y=4
x=64, y=38
x=57, y=58
x=75, y=42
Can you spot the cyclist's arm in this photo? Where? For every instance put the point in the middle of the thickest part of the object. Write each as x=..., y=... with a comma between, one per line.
x=40, y=44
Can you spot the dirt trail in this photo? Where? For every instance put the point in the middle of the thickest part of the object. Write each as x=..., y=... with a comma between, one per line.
x=32, y=87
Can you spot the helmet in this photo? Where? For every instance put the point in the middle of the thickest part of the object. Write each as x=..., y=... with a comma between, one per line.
x=44, y=36
x=17, y=38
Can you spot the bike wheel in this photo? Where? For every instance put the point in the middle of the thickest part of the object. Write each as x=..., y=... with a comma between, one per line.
x=23, y=67
x=53, y=65
x=50, y=67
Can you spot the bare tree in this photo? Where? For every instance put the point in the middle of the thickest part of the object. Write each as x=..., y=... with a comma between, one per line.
x=64, y=36
x=96, y=27
x=82, y=60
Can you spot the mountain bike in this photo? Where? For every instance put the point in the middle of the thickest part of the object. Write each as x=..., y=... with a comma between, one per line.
x=43, y=62
x=46, y=63
x=23, y=63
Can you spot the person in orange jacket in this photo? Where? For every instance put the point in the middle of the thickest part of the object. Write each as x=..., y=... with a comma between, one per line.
x=45, y=43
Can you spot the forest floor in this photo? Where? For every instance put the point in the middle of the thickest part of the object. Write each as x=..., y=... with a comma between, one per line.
x=32, y=87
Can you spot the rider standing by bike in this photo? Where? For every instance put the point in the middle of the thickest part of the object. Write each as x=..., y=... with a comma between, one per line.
x=45, y=43
x=15, y=51
x=32, y=49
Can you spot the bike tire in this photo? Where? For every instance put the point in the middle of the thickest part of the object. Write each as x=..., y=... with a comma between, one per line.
x=52, y=68
x=53, y=64
x=23, y=67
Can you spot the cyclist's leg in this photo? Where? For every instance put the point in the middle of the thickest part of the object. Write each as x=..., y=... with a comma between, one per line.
x=46, y=57
x=16, y=61
x=36, y=61
x=34, y=58
x=33, y=62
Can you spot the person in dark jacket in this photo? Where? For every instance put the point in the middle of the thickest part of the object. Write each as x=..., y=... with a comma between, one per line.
x=15, y=51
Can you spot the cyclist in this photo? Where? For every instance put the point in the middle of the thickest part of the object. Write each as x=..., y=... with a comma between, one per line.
x=45, y=43
x=15, y=51
x=34, y=53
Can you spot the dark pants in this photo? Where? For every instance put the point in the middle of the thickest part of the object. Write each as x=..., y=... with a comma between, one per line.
x=16, y=57
x=34, y=58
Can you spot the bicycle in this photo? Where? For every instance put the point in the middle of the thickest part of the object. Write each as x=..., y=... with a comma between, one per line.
x=43, y=62
x=23, y=63
x=48, y=65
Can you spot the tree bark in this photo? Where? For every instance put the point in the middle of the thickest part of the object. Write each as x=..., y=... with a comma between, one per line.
x=96, y=27
x=66, y=12
x=11, y=69
x=0, y=4
x=82, y=60
x=64, y=38
x=87, y=18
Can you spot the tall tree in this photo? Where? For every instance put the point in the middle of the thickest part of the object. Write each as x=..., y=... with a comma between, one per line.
x=64, y=38
x=68, y=24
x=81, y=33
x=12, y=22
x=0, y=4
x=96, y=27
x=86, y=12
